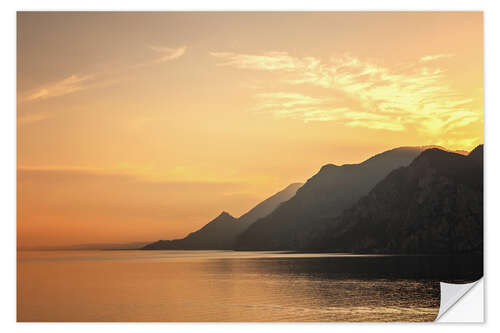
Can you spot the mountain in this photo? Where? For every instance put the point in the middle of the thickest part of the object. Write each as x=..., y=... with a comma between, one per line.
x=221, y=232
x=216, y=234
x=434, y=205
x=322, y=198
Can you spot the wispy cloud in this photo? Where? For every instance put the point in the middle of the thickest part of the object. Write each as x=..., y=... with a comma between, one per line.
x=362, y=93
x=436, y=57
x=33, y=117
x=296, y=106
x=63, y=87
x=79, y=82
x=269, y=61
x=310, y=109
x=74, y=174
x=167, y=53
x=287, y=100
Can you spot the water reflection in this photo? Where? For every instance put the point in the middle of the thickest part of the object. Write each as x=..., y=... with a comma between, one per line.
x=233, y=286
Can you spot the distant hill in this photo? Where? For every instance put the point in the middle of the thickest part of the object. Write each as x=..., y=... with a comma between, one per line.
x=91, y=246
x=221, y=232
x=322, y=198
x=434, y=205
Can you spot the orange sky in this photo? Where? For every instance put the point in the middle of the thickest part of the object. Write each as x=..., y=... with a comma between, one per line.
x=141, y=126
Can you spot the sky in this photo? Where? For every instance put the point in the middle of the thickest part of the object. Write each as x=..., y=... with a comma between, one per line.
x=145, y=126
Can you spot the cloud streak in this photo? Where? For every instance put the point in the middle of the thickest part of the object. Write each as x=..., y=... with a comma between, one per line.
x=78, y=82
x=361, y=93
x=68, y=175
x=68, y=85
x=168, y=54
x=310, y=109
x=436, y=57
x=269, y=61
x=63, y=200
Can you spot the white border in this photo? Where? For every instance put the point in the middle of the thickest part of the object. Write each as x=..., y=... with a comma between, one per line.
x=8, y=150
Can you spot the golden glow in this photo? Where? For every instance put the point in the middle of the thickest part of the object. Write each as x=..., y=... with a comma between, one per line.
x=141, y=126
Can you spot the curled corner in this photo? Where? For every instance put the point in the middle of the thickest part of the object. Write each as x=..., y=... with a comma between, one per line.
x=451, y=293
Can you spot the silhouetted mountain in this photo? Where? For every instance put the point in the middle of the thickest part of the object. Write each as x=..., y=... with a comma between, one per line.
x=435, y=205
x=220, y=233
x=324, y=196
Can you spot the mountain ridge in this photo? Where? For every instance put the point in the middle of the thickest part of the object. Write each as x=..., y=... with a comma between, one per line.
x=221, y=232
x=301, y=219
x=325, y=195
x=434, y=205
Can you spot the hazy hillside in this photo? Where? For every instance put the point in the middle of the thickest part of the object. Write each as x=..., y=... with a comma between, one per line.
x=324, y=196
x=91, y=246
x=220, y=233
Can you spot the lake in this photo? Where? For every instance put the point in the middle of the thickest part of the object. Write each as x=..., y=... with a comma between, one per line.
x=230, y=286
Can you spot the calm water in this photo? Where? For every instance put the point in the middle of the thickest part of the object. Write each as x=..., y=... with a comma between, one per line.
x=232, y=286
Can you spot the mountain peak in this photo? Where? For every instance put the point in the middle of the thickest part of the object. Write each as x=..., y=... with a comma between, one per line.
x=433, y=155
x=221, y=232
x=477, y=150
x=435, y=151
x=225, y=214
x=327, y=167
x=477, y=154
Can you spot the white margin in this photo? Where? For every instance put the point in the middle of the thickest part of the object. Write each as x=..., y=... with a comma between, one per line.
x=8, y=153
